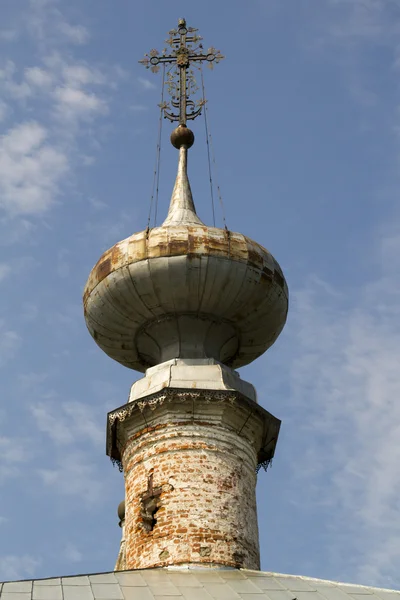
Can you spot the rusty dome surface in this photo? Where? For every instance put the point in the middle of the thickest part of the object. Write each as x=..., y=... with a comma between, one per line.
x=185, y=290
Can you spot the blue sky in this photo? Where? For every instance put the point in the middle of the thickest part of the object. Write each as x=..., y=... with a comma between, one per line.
x=305, y=117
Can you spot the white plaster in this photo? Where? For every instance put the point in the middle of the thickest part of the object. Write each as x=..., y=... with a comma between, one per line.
x=201, y=374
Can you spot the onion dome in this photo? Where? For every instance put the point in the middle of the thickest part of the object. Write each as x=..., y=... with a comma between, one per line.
x=185, y=290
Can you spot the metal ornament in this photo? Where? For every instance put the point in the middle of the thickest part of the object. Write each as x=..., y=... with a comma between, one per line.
x=186, y=52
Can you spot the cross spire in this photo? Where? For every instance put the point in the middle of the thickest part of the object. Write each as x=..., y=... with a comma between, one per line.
x=186, y=52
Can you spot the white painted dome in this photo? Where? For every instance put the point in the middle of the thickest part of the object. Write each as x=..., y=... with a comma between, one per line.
x=185, y=290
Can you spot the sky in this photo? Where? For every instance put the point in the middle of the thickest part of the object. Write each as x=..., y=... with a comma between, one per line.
x=304, y=114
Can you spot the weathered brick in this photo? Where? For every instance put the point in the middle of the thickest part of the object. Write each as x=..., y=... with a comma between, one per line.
x=190, y=486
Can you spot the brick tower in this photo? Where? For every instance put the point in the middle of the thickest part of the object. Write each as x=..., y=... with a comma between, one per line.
x=186, y=304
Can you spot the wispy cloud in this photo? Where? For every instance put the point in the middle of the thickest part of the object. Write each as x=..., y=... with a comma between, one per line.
x=345, y=346
x=97, y=204
x=4, y=110
x=72, y=103
x=77, y=34
x=9, y=35
x=30, y=169
x=72, y=553
x=15, y=452
x=68, y=422
x=48, y=24
x=75, y=476
x=14, y=230
x=146, y=84
x=138, y=108
x=344, y=376
x=5, y=270
x=364, y=20
x=38, y=77
x=36, y=155
x=10, y=342
x=14, y=567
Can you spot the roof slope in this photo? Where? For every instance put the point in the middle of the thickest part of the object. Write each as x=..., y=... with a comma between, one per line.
x=189, y=584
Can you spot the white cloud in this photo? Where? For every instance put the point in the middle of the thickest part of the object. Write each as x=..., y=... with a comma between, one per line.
x=9, y=35
x=18, y=567
x=4, y=271
x=72, y=553
x=16, y=90
x=30, y=311
x=73, y=103
x=146, y=84
x=31, y=381
x=14, y=230
x=87, y=160
x=77, y=34
x=66, y=86
x=24, y=139
x=39, y=4
x=4, y=110
x=30, y=169
x=97, y=204
x=66, y=95
x=50, y=26
x=68, y=422
x=49, y=421
x=79, y=74
x=75, y=476
x=38, y=77
x=16, y=266
x=10, y=342
x=84, y=424
x=363, y=18
x=345, y=377
x=138, y=107
x=14, y=452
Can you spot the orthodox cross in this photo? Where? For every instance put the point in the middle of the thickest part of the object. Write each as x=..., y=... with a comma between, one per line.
x=186, y=51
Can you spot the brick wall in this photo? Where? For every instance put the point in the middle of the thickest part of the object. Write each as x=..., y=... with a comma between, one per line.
x=190, y=486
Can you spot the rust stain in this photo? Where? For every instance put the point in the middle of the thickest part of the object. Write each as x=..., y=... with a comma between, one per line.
x=194, y=241
x=103, y=269
x=255, y=258
x=176, y=247
x=191, y=243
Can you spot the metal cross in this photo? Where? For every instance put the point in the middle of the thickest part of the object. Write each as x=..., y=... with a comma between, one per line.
x=151, y=492
x=150, y=504
x=180, y=78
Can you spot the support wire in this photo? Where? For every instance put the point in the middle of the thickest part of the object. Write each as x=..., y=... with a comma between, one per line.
x=210, y=151
x=156, y=175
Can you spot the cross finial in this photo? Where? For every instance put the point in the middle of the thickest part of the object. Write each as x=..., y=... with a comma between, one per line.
x=186, y=52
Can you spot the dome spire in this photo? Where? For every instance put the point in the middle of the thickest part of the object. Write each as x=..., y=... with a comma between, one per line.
x=181, y=208
x=186, y=51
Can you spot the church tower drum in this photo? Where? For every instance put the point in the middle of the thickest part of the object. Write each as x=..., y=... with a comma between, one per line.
x=187, y=304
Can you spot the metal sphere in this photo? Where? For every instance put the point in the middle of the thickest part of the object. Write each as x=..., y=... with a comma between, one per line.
x=121, y=510
x=182, y=136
